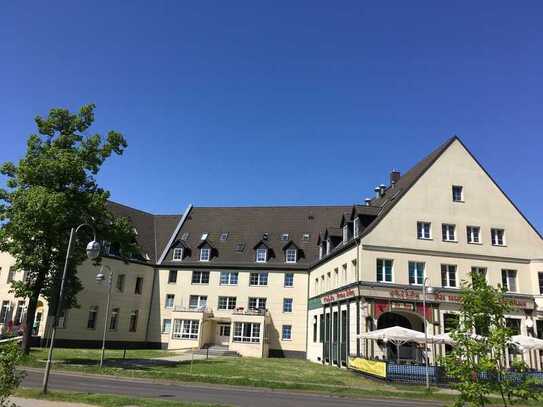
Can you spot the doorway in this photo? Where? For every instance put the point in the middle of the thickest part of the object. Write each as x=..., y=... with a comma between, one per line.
x=223, y=334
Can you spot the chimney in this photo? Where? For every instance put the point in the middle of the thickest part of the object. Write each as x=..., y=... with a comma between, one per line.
x=367, y=201
x=394, y=177
x=376, y=190
x=382, y=188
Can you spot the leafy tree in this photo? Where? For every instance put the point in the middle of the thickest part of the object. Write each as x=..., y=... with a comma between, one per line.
x=10, y=378
x=477, y=361
x=49, y=191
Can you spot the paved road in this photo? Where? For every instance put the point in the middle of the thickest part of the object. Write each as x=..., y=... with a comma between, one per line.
x=229, y=395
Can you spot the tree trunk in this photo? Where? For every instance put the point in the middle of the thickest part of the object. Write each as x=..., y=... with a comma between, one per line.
x=29, y=322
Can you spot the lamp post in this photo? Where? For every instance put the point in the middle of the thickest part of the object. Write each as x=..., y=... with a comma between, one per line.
x=93, y=251
x=99, y=278
x=426, y=289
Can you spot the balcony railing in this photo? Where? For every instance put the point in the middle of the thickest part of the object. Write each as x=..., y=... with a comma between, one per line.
x=243, y=311
x=184, y=308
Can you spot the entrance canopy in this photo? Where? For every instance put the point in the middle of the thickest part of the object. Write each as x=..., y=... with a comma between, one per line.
x=527, y=342
x=397, y=335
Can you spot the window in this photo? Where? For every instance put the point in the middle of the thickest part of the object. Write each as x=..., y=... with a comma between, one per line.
x=384, y=271
x=200, y=277
x=11, y=274
x=345, y=233
x=356, y=227
x=138, y=289
x=246, y=332
x=186, y=329
x=169, y=301
x=448, y=275
x=540, y=276
x=4, y=312
x=513, y=324
x=284, y=237
x=177, y=254
x=172, y=277
x=166, y=326
x=227, y=303
x=480, y=271
x=258, y=279
x=457, y=193
x=61, y=322
x=205, y=254
x=416, y=273
x=204, y=236
x=224, y=330
x=224, y=237
x=261, y=255
x=185, y=236
x=450, y=322
x=509, y=280
x=198, y=302
x=120, y=282
x=424, y=230
x=315, y=328
x=498, y=237
x=287, y=304
x=474, y=234
x=305, y=237
x=229, y=278
x=20, y=313
x=289, y=280
x=91, y=320
x=114, y=320
x=256, y=303
x=240, y=247
x=286, y=332
x=291, y=255
x=448, y=232
x=133, y=321
x=321, y=328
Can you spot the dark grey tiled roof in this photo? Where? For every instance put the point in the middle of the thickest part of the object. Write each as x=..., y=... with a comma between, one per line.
x=248, y=226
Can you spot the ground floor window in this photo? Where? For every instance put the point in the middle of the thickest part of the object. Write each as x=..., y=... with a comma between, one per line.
x=186, y=329
x=246, y=332
x=91, y=320
x=166, y=326
x=286, y=332
x=224, y=330
x=133, y=321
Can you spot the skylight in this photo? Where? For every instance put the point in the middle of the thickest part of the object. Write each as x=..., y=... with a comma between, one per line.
x=224, y=236
x=204, y=236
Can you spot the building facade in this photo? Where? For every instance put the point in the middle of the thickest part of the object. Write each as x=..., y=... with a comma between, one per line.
x=305, y=281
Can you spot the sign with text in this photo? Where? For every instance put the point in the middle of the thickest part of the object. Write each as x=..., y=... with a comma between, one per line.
x=340, y=295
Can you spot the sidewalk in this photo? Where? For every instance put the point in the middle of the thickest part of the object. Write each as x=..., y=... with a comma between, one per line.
x=20, y=402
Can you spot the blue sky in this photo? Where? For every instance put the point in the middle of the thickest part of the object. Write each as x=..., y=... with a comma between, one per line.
x=266, y=103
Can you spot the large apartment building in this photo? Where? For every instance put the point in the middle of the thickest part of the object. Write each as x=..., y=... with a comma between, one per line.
x=305, y=281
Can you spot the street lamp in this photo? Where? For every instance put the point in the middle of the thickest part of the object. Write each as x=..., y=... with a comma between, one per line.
x=93, y=251
x=426, y=289
x=100, y=277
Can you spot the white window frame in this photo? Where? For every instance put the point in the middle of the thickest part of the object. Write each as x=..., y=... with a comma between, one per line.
x=228, y=303
x=284, y=237
x=448, y=270
x=177, y=254
x=494, y=237
x=166, y=329
x=286, y=328
x=288, y=277
x=345, y=232
x=249, y=335
x=205, y=254
x=261, y=255
x=186, y=329
x=511, y=275
x=480, y=270
x=471, y=235
x=4, y=311
x=421, y=230
x=356, y=227
x=201, y=302
x=383, y=272
x=291, y=255
x=172, y=305
x=229, y=278
x=260, y=303
x=288, y=304
x=446, y=232
x=261, y=279
x=418, y=272
x=201, y=274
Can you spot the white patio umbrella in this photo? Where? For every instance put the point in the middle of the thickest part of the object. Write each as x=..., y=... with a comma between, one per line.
x=446, y=338
x=527, y=342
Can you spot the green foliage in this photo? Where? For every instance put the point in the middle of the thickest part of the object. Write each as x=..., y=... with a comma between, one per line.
x=477, y=360
x=50, y=190
x=10, y=378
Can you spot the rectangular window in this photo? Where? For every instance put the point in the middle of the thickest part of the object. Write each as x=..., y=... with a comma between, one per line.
x=448, y=232
x=286, y=332
x=284, y=237
x=498, y=237
x=200, y=277
x=291, y=255
x=384, y=271
x=4, y=312
x=177, y=254
x=356, y=227
x=540, y=276
x=205, y=254
x=258, y=279
x=289, y=280
x=20, y=313
x=229, y=278
x=11, y=274
x=227, y=303
x=257, y=303
x=120, y=282
x=246, y=332
x=457, y=193
x=172, y=277
x=480, y=271
x=166, y=326
x=91, y=320
x=198, y=302
x=224, y=237
x=513, y=324
x=509, y=280
x=186, y=329
x=345, y=233
x=287, y=304
x=261, y=255
x=416, y=273
x=138, y=289
x=321, y=328
x=169, y=301
x=315, y=328
x=133, y=321
x=114, y=320
x=424, y=230
x=450, y=322
x=474, y=234
x=448, y=275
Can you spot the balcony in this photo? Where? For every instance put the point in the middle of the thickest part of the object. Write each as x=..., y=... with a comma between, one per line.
x=243, y=311
x=184, y=308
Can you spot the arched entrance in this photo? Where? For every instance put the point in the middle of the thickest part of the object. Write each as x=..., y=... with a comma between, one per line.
x=405, y=319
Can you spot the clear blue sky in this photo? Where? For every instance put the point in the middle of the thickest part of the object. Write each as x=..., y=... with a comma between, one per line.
x=266, y=103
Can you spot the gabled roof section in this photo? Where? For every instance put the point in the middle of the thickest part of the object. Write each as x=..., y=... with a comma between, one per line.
x=289, y=244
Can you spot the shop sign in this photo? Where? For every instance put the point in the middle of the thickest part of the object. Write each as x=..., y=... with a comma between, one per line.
x=372, y=367
x=406, y=306
x=340, y=295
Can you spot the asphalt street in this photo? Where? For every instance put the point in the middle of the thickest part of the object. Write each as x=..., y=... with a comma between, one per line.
x=228, y=395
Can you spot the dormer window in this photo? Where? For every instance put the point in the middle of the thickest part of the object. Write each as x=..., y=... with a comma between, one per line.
x=261, y=255
x=204, y=236
x=205, y=254
x=177, y=254
x=224, y=236
x=291, y=255
x=328, y=246
x=356, y=227
x=345, y=233
x=305, y=237
x=284, y=237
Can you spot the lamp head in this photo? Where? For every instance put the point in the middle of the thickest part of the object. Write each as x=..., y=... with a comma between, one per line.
x=93, y=250
x=100, y=277
x=430, y=289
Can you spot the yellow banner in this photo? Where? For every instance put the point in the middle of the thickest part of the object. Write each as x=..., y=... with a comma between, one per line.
x=373, y=367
